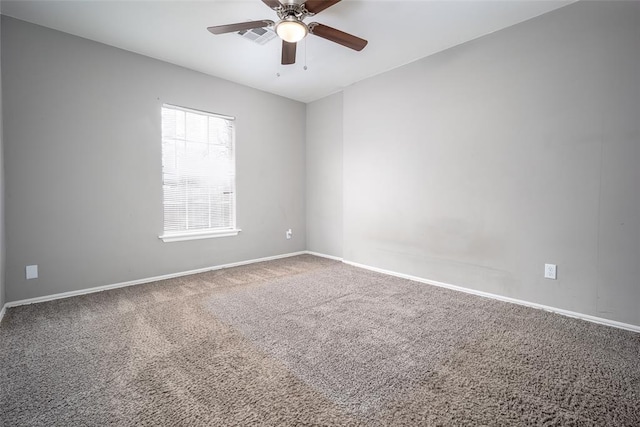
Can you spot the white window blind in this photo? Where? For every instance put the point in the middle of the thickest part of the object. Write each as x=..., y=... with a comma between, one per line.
x=198, y=174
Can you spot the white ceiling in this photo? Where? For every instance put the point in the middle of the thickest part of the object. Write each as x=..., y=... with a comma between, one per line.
x=398, y=32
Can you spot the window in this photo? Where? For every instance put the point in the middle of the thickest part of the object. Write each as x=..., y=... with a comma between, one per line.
x=198, y=174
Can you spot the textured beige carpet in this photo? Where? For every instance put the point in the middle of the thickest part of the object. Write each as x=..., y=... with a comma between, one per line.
x=307, y=341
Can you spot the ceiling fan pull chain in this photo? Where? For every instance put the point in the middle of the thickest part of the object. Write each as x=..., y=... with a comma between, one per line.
x=305, y=55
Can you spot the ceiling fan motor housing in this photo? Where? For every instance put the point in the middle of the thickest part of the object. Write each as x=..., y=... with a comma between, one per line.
x=293, y=10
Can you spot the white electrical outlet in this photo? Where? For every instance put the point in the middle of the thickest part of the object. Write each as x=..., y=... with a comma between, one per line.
x=550, y=271
x=289, y=234
x=31, y=272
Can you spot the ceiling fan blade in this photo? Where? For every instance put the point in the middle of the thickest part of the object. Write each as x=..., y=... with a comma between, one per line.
x=317, y=6
x=240, y=26
x=337, y=36
x=273, y=4
x=288, y=53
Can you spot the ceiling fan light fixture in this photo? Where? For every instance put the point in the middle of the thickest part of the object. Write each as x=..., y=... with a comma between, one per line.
x=291, y=29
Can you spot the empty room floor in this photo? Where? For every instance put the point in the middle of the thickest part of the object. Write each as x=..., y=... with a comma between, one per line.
x=309, y=341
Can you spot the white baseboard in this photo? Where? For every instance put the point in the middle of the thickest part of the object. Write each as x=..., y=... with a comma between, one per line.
x=335, y=258
x=141, y=281
x=561, y=311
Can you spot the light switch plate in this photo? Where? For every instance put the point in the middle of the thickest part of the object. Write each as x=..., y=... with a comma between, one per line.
x=32, y=272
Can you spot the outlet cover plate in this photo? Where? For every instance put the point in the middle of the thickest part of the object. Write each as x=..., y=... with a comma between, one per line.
x=550, y=271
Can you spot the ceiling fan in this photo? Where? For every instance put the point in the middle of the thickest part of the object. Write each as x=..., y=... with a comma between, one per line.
x=291, y=28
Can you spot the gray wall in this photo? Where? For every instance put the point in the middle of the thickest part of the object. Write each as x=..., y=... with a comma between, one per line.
x=83, y=172
x=477, y=165
x=324, y=175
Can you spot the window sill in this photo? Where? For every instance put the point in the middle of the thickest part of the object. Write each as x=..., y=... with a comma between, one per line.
x=199, y=235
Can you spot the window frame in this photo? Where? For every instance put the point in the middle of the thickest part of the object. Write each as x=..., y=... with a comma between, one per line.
x=209, y=233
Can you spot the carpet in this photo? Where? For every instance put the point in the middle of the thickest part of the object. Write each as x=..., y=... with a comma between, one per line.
x=309, y=341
